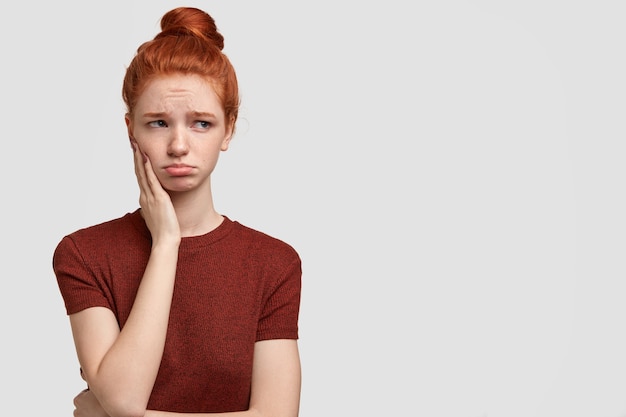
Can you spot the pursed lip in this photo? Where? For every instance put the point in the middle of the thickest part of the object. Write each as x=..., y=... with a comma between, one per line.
x=179, y=170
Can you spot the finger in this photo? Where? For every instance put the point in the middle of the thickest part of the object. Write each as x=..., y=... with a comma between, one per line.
x=151, y=178
x=137, y=160
x=78, y=398
x=145, y=170
x=140, y=169
x=79, y=402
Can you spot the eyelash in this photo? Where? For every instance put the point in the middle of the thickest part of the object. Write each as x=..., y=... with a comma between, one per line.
x=161, y=123
x=157, y=123
x=204, y=124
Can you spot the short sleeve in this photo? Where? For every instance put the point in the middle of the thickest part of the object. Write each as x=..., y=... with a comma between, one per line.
x=279, y=316
x=77, y=283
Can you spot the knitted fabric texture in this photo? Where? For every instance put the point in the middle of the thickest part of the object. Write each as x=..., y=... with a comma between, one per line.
x=234, y=286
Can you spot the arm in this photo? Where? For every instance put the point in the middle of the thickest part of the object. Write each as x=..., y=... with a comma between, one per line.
x=120, y=367
x=276, y=377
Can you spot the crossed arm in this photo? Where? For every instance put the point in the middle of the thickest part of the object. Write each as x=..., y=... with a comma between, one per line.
x=120, y=366
x=275, y=374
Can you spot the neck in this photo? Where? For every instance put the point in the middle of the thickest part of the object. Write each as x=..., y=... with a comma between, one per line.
x=195, y=212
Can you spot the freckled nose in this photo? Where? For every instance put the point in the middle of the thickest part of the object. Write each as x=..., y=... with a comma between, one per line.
x=179, y=144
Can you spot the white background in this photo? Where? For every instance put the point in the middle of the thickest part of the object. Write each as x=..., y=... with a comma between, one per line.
x=451, y=172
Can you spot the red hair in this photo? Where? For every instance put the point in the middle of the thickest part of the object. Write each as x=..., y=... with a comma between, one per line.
x=189, y=43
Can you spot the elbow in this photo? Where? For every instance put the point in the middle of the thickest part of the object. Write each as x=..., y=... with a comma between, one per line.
x=126, y=411
x=135, y=412
x=125, y=407
x=119, y=400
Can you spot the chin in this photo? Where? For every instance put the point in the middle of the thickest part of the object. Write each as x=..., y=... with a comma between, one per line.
x=180, y=186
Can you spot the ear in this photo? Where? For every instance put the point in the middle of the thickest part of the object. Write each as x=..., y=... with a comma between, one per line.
x=129, y=128
x=230, y=128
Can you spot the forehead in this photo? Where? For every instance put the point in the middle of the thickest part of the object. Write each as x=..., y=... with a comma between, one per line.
x=171, y=92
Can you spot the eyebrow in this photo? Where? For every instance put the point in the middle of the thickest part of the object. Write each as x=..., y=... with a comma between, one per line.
x=194, y=114
x=203, y=114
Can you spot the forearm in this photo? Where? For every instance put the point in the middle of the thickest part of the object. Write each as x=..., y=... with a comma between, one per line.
x=248, y=413
x=125, y=377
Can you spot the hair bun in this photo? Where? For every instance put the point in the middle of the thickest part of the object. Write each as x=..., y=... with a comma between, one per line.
x=189, y=21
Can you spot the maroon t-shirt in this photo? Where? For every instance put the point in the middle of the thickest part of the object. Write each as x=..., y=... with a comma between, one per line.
x=234, y=286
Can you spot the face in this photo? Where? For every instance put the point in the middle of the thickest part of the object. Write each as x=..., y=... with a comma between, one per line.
x=180, y=124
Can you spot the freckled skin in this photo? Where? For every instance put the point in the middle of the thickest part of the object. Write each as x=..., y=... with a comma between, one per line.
x=179, y=119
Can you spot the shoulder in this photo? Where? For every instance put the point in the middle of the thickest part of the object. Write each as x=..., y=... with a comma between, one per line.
x=264, y=251
x=263, y=241
x=105, y=233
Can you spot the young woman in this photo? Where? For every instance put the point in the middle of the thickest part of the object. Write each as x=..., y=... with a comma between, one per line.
x=175, y=308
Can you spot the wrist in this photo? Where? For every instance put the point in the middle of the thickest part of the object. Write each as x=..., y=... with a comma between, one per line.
x=166, y=244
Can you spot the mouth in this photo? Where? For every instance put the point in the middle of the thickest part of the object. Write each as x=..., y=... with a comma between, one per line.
x=179, y=170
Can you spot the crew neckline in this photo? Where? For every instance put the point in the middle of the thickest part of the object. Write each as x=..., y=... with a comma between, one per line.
x=188, y=241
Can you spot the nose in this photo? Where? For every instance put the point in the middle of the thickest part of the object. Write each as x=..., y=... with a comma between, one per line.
x=179, y=143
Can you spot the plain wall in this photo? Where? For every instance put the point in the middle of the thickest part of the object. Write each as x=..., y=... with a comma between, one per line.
x=451, y=172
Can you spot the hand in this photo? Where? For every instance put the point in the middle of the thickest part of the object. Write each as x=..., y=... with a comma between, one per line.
x=87, y=405
x=156, y=205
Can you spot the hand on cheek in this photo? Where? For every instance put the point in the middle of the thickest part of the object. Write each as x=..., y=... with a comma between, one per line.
x=156, y=205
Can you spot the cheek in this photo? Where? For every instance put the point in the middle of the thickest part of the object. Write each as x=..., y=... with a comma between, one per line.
x=209, y=160
x=147, y=146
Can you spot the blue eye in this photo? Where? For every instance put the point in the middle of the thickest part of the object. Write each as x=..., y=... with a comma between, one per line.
x=203, y=124
x=157, y=123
